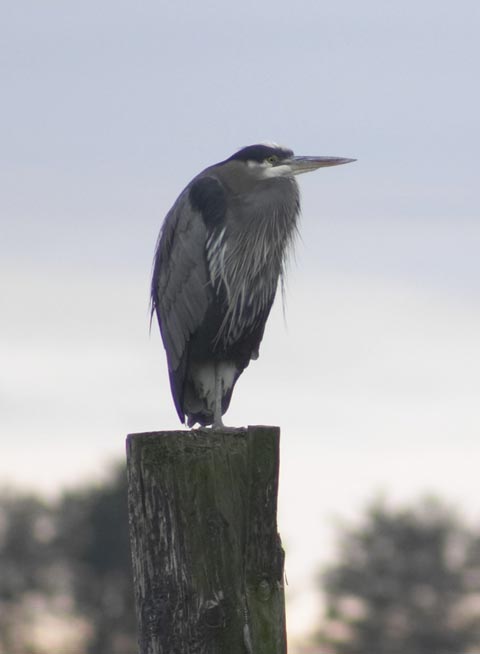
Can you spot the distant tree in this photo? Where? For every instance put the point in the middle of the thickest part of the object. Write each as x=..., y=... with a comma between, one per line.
x=94, y=542
x=400, y=585
x=26, y=564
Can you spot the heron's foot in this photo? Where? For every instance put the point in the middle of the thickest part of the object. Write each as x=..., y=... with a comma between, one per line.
x=219, y=428
x=207, y=429
x=229, y=430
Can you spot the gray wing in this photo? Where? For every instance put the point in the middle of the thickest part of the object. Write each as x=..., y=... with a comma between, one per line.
x=181, y=290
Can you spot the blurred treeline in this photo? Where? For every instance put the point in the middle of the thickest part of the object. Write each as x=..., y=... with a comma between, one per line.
x=65, y=572
x=405, y=581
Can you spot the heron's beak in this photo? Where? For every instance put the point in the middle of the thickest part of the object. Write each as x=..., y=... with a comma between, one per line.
x=299, y=165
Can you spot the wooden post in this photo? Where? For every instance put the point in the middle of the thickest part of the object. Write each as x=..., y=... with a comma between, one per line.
x=207, y=558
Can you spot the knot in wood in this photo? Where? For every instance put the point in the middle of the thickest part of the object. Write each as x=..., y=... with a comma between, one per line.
x=264, y=590
x=215, y=613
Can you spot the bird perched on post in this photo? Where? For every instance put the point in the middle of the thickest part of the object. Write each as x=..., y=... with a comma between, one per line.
x=219, y=257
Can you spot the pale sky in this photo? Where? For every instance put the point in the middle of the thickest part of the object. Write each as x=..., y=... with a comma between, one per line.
x=108, y=109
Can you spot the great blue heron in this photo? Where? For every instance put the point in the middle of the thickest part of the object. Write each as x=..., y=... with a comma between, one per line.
x=219, y=257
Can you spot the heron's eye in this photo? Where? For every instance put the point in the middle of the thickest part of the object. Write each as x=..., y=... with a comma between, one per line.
x=272, y=159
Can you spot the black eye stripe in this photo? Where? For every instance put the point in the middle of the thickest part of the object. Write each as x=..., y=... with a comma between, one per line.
x=260, y=153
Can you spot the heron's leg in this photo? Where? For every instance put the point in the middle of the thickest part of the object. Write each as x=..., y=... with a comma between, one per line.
x=217, y=407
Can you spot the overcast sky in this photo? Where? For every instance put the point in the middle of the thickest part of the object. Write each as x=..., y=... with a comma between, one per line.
x=108, y=109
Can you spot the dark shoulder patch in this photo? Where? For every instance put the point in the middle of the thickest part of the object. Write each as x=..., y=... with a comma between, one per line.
x=208, y=197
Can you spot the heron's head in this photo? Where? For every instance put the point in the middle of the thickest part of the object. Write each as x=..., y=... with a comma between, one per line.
x=269, y=160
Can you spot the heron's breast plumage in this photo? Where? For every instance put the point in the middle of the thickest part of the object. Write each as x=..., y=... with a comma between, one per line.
x=246, y=257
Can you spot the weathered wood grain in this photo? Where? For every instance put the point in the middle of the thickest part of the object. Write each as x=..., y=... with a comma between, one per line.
x=207, y=558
